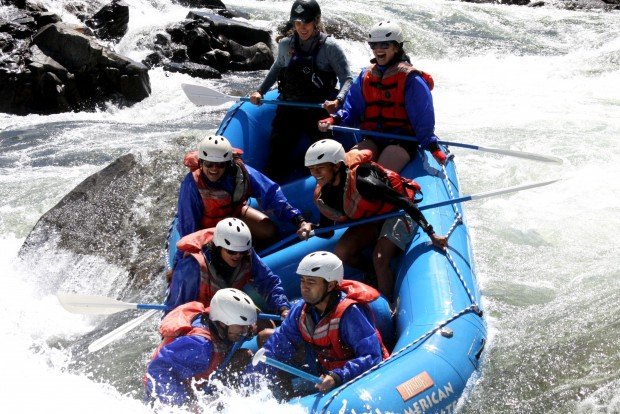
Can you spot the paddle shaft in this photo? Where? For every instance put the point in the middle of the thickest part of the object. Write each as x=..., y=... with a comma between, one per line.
x=291, y=370
x=518, y=154
x=478, y=196
x=284, y=103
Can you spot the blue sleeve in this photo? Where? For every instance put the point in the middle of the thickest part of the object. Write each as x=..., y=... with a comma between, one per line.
x=270, y=196
x=354, y=104
x=358, y=333
x=185, y=284
x=190, y=208
x=268, y=284
x=175, y=364
x=282, y=344
x=420, y=110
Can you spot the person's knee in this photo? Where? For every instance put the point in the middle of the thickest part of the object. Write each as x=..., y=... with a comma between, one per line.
x=394, y=157
x=382, y=254
x=343, y=253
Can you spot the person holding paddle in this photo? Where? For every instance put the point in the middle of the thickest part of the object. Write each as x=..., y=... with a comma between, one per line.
x=219, y=185
x=390, y=95
x=308, y=66
x=198, y=342
x=223, y=257
x=351, y=186
x=333, y=320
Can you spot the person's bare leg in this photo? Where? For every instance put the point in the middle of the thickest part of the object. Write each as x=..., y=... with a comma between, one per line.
x=353, y=241
x=383, y=253
x=264, y=230
x=394, y=157
x=368, y=144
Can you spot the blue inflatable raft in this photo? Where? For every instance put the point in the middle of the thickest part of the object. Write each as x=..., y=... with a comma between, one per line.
x=437, y=334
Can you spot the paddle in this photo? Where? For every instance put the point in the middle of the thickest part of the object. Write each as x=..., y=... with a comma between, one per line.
x=478, y=196
x=101, y=305
x=518, y=154
x=229, y=356
x=260, y=357
x=112, y=336
x=204, y=96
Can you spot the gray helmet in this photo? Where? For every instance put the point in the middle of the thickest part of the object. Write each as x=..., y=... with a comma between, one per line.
x=325, y=150
x=386, y=31
x=322, y=264
x=232, y=307
x=232, y=234
x=215, y=148
x=305, y=11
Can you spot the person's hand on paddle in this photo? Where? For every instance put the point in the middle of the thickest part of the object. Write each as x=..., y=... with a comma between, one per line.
x=256, y=97
x=284, y=312
x=328, y=383
x=331, y=106
x=324, y=124
x=304, y=230
x=440, y=242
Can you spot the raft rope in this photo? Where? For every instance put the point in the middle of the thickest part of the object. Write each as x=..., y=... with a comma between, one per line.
x=473, y=308
x=409, y=347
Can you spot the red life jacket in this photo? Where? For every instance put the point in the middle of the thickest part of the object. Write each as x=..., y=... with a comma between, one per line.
x=384, y=94
x=324, y=337
x=354, y=205
x=179, y=323
x=219, y=203
x=210, y=280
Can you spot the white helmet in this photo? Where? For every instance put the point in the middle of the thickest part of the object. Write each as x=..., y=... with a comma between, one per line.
x=232, y=307
x=232, y=234
x=215, y=148
x=325, y=150
x=321, y=264
x=386, y=31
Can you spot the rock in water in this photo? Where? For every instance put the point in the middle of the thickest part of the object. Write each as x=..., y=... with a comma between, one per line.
x=121, y=213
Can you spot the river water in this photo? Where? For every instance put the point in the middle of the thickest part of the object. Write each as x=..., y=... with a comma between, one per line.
x=529, y=79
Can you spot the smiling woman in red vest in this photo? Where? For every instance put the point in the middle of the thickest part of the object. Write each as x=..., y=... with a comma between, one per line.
x=351, y=186
x=390, y=96
x=223, y=257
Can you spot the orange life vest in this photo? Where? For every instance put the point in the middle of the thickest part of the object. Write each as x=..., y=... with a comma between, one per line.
x=179, y=323
x=219, y=203
x=354, y=205
x=324, y=336
x=384, y=94
x=210, y=280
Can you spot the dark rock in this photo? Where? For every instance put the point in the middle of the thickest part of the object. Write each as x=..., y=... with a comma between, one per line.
x=207, y=4
x=241, y=32
x=256, y=57
x=162, y=39
x=218, y=59
x=20, y=4
x=179, y=53
x=110, y=23
x=193, y=69
x=78, y=53
x=153, y=59
x=198, y=43
x=16, y=30
x=123, y=209
x=44, y=18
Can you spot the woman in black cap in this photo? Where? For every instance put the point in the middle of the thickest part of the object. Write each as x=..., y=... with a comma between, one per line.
x=308, y=66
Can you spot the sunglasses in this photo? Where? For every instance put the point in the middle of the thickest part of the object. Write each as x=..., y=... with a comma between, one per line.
x=379, y=45
x=215, y=164
x=234, y=253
